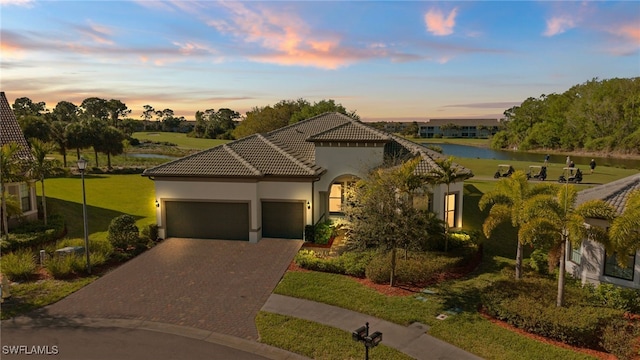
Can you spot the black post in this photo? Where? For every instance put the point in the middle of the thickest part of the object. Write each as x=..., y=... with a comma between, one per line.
x=366, y=348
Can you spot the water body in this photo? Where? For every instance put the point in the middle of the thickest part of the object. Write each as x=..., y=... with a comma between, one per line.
x=151, y=156
x=535, y=158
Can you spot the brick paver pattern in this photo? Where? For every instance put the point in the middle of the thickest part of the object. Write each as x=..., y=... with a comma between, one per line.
x=213, y=285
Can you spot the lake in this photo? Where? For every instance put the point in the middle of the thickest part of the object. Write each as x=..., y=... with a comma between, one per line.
x=486, y=153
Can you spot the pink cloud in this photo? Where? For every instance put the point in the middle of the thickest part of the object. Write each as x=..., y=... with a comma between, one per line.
x=97, y=33
x=440, y=24
x=287, y=39
x=558, y=25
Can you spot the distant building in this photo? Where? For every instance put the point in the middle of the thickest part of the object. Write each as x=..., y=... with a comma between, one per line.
x=459, y=128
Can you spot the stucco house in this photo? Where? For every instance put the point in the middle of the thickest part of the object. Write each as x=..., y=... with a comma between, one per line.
x=10, y=131
x=590, y=262
x=272, y=185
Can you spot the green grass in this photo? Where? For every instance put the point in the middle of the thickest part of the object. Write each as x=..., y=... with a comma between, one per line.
x=29, y=296
x=314, y=340
x=108, y=196
x=179, y=139
x=456, y=141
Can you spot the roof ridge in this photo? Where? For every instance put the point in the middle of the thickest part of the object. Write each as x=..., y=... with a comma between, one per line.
x=308, y=120
x=286, y=154
x=242, y=160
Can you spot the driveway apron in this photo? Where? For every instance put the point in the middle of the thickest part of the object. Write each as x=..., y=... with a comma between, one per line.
x=214, y=285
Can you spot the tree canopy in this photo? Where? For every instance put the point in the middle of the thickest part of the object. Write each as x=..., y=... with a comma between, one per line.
x=598, y=115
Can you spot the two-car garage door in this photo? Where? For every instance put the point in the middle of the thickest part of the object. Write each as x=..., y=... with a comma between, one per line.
x=230, y=220
x=207, y=220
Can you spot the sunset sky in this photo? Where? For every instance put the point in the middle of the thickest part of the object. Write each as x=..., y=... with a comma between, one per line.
x=388, y=60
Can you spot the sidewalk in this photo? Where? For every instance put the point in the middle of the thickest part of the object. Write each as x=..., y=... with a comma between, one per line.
x=411, y=340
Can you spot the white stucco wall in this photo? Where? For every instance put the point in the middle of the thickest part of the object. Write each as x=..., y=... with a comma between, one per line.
x=591, y=267
x=439, y=191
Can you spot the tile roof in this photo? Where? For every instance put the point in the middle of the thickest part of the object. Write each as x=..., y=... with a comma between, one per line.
x=10, y=130
x=290, y=151
x=614, y=193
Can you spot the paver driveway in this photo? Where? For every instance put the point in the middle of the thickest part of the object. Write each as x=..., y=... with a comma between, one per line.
x=208, y=284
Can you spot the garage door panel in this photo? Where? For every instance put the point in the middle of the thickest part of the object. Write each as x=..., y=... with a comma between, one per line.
x=283, y=220
x=207, y=220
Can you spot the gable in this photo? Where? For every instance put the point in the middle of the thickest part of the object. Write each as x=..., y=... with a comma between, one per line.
x=10, y=130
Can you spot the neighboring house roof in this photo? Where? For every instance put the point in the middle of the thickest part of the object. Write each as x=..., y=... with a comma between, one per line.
x=10, y=130
x=290, y=151
x=614, y=193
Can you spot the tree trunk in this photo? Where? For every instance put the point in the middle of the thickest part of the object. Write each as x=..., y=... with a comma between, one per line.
x=95, y=152
x=78, y=153
x=561, y=275
x=44, y=203
x=392, y=280
x=519, y=261
x=64, y=159
x=109, y=161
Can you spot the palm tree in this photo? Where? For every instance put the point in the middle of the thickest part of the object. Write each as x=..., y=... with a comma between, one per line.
x=625, y=229
x=10, y=171
x=507, y=201
x=554, y=220
x=447, y=173
x=41, y=167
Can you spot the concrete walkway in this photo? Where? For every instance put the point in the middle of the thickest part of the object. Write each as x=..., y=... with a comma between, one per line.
x=411, y=340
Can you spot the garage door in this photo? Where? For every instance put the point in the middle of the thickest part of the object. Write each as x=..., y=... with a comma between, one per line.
x=284, y=220
x=207, y=220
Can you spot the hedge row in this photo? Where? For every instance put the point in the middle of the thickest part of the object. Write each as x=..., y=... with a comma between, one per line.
x=34, y=234
x=529, y=304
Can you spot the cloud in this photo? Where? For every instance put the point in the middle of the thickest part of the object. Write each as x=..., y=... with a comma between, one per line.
x=559, y=24
x=23, y=3
x=97, y=33
x=286, y=39
x=440, y=24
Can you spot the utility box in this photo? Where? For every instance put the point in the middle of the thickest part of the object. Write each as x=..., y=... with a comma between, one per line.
x=69, y=250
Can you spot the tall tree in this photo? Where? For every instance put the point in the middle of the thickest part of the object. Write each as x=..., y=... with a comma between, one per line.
x=147, y=114
x=554, y=221
x=111, y=143
x=95, y=107
x=24, y=106
x=65, y=111
x=116, y=110
x=447, y=173
x=78, y=137
x=40, y=167
x=59, y=137
x=35, y=127
x=506, y=202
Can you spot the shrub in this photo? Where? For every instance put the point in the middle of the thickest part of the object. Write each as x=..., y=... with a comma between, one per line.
x=100, y=250
x=620, y=338
x=615, y=297
x=529, y=304
x=418, y=268
x=539, y=262
x=61, y=267
x=150, y=232
x=35, y=233
x=18, y=265
x=124, y=234
x=351, y=263
x=320, y=233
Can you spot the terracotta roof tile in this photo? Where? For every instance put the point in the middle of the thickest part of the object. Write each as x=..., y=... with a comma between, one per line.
x=614, y=193
x=289, y=151
x=10, y=130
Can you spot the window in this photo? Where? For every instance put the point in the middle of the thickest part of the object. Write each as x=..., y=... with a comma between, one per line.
x=337, y=196
x=611, y=267
x=450, y=210
x=576, y=255
x=25, y=199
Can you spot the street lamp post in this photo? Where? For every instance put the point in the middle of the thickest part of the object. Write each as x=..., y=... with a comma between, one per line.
x=361, y=334
x=82, y=166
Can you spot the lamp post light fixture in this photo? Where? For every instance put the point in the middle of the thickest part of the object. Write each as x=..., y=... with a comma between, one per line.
x=82, y=166
x=361, y=334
